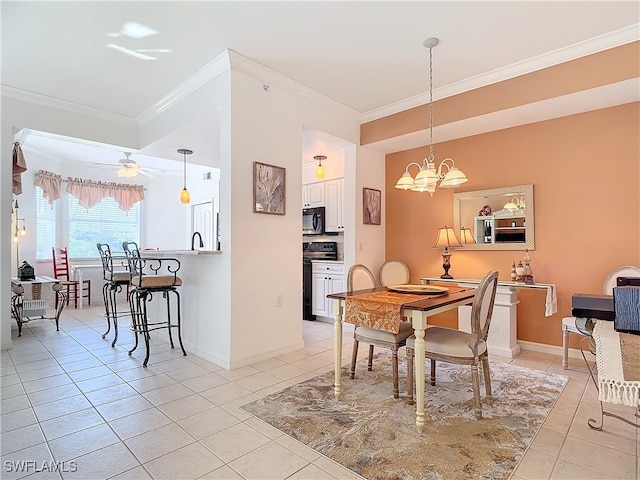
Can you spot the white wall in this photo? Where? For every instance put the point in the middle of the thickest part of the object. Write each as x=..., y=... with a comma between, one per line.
x=267, y=126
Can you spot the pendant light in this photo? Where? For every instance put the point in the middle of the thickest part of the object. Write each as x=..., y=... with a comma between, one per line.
x=428, y=177
x=184, y=194
x=320, y=168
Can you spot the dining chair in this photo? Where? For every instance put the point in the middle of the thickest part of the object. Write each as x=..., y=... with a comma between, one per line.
x=454, y=346
x=61, y=272
x=393, y=272
x=114, y=280
x=360, y=277
x=569, y=323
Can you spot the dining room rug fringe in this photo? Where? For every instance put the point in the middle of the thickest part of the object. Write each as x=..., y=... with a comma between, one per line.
x=374, y=435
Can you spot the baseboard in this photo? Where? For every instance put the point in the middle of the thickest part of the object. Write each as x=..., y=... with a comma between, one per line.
x=550, y=349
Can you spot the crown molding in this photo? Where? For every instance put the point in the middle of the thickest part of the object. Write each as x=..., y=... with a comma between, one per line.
x=52, y=102
x=210, y=71
x=562, y=55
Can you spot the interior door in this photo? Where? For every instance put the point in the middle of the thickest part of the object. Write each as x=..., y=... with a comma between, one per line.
x=202, y=220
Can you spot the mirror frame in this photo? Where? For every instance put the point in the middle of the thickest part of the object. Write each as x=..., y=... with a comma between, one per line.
x=526, y=190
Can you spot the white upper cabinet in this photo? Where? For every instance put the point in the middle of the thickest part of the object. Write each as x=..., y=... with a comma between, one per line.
x=313, y=195
x=334, y=205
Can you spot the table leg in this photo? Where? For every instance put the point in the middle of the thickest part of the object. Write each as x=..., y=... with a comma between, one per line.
x=78, y=276
x=337, y=347
x=419, y=325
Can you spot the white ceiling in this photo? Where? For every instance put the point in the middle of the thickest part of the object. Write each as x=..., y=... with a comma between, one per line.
x=365, y=55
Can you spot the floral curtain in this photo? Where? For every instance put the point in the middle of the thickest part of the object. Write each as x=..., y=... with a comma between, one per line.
x=89, y=193
x=50, y=184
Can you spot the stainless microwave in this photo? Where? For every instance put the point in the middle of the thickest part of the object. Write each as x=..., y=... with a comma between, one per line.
x=313, y=221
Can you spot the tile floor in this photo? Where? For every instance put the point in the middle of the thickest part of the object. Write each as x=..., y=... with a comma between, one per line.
x=92, y=411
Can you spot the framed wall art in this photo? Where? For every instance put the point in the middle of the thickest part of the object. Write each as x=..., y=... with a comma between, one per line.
x=269, y=189
x=371, y=206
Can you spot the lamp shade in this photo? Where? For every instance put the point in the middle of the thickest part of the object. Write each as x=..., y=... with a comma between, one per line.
x=466, y=237
x=446, y=238
x=405, y=182
x=184, y=196
x=453, y=178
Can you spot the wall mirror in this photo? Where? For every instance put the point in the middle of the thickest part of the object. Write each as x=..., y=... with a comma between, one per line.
x=497, y=218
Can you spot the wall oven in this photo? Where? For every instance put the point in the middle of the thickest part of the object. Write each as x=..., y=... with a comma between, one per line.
x=313, y=221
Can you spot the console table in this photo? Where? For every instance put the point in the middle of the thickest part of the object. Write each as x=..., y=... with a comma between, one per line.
x=31, y=298
x=502, y=338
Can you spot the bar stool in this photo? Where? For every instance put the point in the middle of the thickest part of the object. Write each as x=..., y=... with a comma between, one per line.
x=113, y=283
x=151, y=276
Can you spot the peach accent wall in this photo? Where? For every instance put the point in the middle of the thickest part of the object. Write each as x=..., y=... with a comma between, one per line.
x=602, y=68
x=585, y=170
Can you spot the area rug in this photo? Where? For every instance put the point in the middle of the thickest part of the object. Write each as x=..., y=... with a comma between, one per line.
x=374, y=435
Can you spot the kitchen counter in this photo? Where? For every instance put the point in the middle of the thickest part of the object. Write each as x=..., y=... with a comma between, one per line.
x=169, y=253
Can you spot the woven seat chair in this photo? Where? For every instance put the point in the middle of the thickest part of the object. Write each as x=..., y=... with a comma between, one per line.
x=151, y=276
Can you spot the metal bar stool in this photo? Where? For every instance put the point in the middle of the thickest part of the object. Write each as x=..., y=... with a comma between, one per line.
x=151, y=276
x=113, y=283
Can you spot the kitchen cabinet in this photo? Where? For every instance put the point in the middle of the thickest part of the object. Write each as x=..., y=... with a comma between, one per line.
x=327, y=277
x=334, y=205
x=313, y=195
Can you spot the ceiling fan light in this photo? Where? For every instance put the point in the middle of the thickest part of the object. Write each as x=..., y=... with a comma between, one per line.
x=127, y=171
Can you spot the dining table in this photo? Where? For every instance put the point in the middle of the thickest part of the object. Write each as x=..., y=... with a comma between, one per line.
x=421, y=303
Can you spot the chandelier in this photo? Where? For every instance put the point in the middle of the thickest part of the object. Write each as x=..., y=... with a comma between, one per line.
x=447, y=174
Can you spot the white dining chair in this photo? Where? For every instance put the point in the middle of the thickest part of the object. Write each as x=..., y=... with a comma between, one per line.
x=393, y=272
x=569, y=323
x=455, y=346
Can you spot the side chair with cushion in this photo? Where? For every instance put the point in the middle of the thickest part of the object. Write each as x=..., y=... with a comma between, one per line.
x=61, y=272
x=569, y=323
x=393, y=272
x=360, y=278
x=454, y=346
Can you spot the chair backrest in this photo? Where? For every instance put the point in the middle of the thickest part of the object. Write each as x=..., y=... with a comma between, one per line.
x=393, y=272
x=360, y=278
x=60, y=263
x=482, y=308
x=627, y=271
x=132, y=252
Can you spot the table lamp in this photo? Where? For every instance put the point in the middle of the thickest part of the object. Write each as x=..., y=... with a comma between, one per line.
x=446, y=238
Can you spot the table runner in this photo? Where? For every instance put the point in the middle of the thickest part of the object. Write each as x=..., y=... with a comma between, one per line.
x=379, y=310
x=618, y=363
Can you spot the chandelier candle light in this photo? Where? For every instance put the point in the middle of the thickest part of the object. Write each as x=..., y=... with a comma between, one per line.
x=320, y=168
x=184, y=194
x=446, y=238
x=428, y=177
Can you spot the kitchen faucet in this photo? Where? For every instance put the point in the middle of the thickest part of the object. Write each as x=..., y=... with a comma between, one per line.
x=193, y=239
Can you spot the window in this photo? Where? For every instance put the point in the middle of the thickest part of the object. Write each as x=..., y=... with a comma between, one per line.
x=45, y=226
x=80, y=229
x=104, y=223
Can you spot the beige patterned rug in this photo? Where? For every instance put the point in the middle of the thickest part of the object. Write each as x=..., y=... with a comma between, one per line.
x=373, y=434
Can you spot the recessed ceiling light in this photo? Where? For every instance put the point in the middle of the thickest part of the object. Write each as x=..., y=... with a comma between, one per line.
x=137, y=30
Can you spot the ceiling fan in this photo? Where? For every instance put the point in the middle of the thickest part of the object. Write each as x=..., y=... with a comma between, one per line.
x=128, y=168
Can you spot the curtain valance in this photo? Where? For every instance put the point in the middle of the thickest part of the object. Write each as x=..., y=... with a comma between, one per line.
x=89, y=193
x=50, y=184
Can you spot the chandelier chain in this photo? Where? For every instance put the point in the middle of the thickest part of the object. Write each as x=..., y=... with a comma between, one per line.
x=431, y=157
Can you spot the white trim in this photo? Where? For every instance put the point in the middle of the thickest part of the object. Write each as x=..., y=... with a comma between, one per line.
x=550, y=349
x=57, y=103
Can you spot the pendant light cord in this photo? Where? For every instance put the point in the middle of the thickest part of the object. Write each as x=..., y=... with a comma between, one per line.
x=431, y=157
